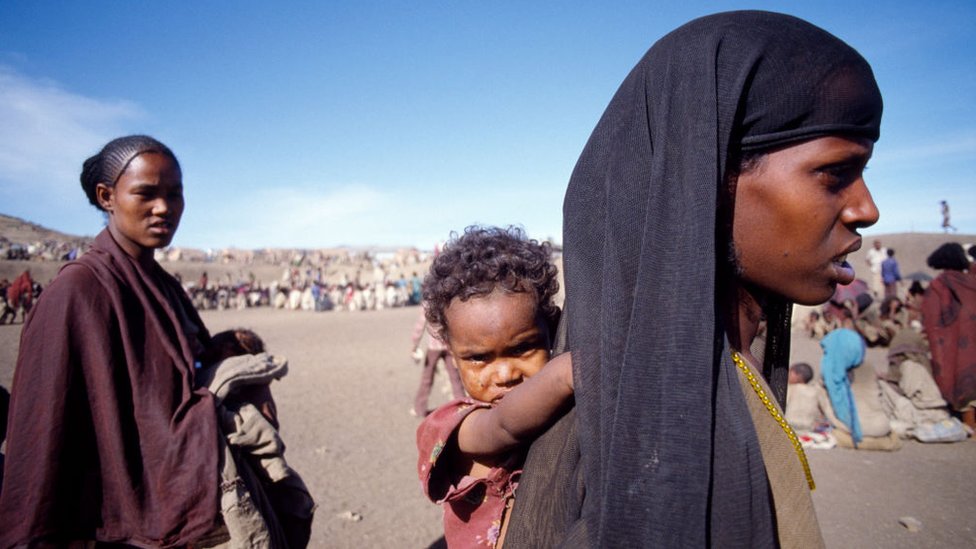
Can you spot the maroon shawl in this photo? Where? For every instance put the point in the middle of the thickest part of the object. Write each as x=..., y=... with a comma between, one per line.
x=107, y=438
x=949, y=318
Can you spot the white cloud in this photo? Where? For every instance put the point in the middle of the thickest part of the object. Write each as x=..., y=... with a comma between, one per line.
x=45, y=130
x=319, y=216
x=290, y=216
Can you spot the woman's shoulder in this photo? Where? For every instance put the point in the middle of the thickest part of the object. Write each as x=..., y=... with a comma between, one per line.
x=74, y=284
x=73, y=277
x=74, y=298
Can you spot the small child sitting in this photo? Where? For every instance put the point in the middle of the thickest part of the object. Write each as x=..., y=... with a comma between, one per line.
x=804, y=400
x=490, y=295
x=234, y=342
x=240, y=342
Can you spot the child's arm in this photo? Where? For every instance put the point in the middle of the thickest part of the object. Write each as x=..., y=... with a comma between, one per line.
x=522, y=414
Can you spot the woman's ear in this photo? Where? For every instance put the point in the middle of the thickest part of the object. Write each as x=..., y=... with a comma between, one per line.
x=104, y=194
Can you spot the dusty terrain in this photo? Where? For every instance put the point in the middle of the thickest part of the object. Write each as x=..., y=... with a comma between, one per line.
x=344, y=405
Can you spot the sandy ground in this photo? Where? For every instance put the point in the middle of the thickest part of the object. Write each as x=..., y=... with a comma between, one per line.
x=343, y=409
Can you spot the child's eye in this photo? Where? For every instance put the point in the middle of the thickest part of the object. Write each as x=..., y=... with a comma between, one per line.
x=525, y=347
x=522, y=349
x=476, y=358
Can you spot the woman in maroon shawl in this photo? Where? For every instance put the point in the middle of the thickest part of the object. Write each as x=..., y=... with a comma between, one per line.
x=108, y=438
x=949, y=319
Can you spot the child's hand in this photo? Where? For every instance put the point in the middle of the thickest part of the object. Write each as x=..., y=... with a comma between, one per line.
x=525, y=411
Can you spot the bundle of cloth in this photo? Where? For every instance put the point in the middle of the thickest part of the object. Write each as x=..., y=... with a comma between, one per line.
x=264, y=502
x=910, y=396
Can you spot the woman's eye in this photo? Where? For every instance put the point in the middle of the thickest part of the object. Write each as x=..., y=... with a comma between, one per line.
x=838, y=177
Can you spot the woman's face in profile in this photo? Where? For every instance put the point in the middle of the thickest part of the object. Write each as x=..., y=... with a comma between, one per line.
x=797, y=214
x=146, y=203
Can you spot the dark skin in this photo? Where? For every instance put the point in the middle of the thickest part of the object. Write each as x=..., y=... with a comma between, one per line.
x=145, y=205
x=144, y=209
x=797, y=216
x=500, y=343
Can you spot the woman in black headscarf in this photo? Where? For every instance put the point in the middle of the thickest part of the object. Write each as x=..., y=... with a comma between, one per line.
x=723, y=183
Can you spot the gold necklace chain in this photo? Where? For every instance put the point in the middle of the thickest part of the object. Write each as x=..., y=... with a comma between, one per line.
x=771, y=407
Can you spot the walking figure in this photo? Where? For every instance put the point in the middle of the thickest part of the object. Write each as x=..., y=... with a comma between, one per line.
x=945, y=217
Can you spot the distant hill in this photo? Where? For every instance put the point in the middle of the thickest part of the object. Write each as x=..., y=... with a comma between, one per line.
x=20, y=231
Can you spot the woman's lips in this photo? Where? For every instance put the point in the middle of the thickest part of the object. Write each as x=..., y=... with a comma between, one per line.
x=161, y=228
x=843, y=271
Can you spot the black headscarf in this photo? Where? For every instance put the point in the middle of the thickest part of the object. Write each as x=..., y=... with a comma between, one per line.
x=668, y=452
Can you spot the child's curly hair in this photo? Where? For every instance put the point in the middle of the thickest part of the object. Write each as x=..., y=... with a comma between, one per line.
x=483, y=259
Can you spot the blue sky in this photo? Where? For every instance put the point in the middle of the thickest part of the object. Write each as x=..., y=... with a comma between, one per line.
x=315, y=124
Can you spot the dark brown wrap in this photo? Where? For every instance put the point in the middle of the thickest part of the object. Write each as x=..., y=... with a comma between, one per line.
x=108, y=439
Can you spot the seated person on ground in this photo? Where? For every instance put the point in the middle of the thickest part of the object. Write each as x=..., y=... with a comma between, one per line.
x=806, y=399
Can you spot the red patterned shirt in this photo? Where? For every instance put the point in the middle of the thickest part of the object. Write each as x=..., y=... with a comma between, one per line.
x=473, y=507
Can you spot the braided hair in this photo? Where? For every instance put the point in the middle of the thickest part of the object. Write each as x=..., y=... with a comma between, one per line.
x=108, y=165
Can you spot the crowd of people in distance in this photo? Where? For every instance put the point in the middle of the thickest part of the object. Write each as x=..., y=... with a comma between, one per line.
x=311, y=280
x=926, y=389
x=43, y=250
x=307, y=289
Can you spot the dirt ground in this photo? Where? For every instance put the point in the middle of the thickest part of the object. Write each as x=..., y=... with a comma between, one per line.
x=343, y=409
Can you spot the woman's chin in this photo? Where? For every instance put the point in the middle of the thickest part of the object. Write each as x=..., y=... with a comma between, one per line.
x=160, y=242
x=815, y=297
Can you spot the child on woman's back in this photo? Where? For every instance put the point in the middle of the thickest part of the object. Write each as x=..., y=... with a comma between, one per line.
x=490, y=295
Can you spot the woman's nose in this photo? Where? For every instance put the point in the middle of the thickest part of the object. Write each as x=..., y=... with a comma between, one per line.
x=860, y=210
x=161, y=206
